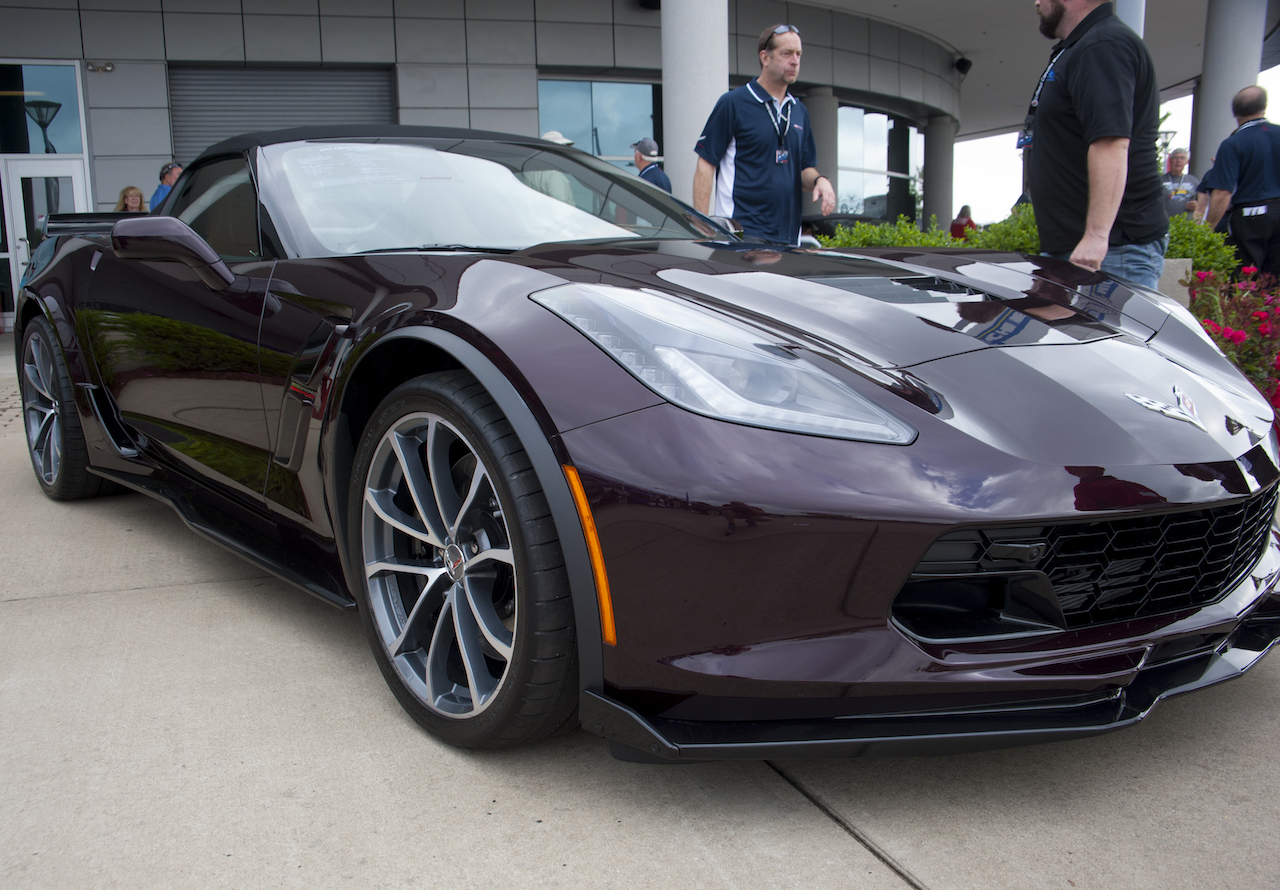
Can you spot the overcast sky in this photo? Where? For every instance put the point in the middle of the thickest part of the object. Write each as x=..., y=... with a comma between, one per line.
x=988, y=172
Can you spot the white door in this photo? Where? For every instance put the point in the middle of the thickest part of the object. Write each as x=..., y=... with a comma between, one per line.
x=32, y=188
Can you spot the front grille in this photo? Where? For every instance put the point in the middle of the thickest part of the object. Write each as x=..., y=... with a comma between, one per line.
x=1120, y=569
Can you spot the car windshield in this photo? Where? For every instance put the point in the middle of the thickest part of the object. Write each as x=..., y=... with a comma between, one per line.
x=370, y=195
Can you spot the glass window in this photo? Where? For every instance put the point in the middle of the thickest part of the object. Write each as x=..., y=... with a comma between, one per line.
x=39, y=110
x=881, y=161
x=6, y=288
x=602, y=118
x=41, y=196
x=565, y=106
x=218, y=201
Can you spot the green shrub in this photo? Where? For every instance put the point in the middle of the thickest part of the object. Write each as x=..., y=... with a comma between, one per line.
x=903, y=233
x=1017, y=233
x=1208, y=250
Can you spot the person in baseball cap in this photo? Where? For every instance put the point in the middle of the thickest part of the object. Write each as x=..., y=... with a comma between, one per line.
x=647, y=164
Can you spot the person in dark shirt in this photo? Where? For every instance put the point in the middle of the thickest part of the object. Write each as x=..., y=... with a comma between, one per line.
x=1091, y=133
x=1246, y=178
x=647, y=164
x=757, y=148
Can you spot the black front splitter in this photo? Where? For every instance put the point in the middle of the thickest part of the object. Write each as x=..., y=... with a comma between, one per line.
x=633, y=737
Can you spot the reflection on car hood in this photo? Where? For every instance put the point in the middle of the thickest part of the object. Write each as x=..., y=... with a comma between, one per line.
x=1112, y=402
x=892, y=310
x=1079, y=370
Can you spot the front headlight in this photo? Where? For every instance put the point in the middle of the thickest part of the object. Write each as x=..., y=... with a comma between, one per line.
x=714, y=365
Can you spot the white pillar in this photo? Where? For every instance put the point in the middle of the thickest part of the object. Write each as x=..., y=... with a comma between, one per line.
x=1233, y=35
x=695, y=72
x=939, y=170
x=824, y=118
x=1133, y=13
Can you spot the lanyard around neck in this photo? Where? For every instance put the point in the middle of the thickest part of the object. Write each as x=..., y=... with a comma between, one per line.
x=1035, y=97
x=781, y=120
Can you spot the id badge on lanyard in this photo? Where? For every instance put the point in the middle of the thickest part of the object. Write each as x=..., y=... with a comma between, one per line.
x=1027, y=135
x=781, y=125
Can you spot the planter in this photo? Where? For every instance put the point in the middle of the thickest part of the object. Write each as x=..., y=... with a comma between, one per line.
x=1176, y=270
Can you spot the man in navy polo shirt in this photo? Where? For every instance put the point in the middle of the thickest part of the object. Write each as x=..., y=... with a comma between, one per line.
x=1246, y=177
x=757, y=148
x=647, y=164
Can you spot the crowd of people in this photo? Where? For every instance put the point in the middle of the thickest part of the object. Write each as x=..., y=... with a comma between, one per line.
x=1088, y=140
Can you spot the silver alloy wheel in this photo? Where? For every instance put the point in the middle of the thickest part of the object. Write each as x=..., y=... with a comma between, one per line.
x=40, y=409
x=439, y=565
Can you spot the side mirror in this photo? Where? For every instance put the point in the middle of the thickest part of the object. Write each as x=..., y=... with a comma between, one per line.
x=169, y=238
x=731, y=224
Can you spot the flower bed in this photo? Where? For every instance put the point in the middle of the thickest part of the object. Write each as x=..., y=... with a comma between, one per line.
x=1243, y=318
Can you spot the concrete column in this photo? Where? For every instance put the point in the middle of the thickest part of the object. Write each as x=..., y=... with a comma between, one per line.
x=824, y=118
x=695, y=72
x=1133, y=13
x=1233, y=35
x=939, y=168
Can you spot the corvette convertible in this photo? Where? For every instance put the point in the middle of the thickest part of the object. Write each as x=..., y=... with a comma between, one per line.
x=579, y=455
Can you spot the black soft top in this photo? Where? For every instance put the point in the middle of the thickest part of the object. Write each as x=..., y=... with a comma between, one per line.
x=246, y=141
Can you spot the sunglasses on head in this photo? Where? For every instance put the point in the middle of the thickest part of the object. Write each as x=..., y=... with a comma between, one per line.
x=783, y=29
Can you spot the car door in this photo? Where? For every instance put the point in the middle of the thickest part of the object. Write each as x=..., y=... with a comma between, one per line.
x=181, y=360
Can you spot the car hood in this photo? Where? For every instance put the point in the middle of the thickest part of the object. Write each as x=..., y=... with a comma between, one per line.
x=890, y=309
x=1044, y=360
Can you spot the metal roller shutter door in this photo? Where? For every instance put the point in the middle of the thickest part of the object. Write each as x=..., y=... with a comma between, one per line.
x=207, y=105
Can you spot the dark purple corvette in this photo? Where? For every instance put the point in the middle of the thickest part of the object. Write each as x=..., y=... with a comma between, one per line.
x=579, y=455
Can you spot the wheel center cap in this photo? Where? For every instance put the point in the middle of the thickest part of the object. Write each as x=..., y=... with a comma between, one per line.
x=454, y=559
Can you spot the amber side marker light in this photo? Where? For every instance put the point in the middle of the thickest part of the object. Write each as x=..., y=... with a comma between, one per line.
x=603, y=599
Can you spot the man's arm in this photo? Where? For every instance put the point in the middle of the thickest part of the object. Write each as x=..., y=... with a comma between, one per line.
x=1219, y=203
x=704, y=178
x=813, y=181
x=1108, y=171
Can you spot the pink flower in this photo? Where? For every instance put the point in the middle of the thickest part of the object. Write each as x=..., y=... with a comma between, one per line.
x=1261, y=313
x=1238, y=336
x=1246, y=285
x=1249, y=270
x=1264, y=329
x=1201, y=276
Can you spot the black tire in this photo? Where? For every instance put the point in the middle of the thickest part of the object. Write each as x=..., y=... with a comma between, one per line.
x=55, y=439
x=488, y=657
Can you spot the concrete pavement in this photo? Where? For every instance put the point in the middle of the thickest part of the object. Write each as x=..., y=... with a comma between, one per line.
x=170, y=715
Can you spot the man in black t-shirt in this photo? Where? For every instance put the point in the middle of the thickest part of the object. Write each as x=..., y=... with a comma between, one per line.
x=1091, y=130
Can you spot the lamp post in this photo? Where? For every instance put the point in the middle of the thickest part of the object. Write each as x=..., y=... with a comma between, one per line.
x=43, y=111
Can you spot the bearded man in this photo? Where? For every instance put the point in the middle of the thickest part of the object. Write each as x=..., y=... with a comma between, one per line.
x=1090, y=144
